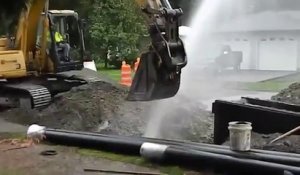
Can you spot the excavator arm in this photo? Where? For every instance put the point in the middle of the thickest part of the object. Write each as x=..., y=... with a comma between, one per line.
x=159, y=71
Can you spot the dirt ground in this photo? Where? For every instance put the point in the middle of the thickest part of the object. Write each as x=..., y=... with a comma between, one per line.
x=67, y=161
x=101, y=106
x=289, y=144
x=98, y=106
x=289, y=95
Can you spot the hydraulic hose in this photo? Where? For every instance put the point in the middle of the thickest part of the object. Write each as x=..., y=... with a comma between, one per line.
x=166, y=4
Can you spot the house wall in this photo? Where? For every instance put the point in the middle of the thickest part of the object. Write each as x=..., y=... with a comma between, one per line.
x=270, y=50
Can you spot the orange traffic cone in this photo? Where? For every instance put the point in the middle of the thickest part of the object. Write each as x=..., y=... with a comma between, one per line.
x=136, y=64
x=126, y=74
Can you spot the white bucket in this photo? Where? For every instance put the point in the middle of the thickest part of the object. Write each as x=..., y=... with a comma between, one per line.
x=240, y=135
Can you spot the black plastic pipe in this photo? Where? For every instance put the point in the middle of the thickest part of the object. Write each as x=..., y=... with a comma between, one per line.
x=212, y=147
x=131, y=145
x=176, y=142
x=286, y=158
x=188, y=156
x=114, y=144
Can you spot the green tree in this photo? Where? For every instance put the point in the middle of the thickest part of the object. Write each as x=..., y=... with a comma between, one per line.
x=116, y=25
x=9, y=14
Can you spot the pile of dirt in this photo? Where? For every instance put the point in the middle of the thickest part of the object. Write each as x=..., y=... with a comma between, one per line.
x=289, y=144
x=289, y=95
x=101, y=106
x=82, y=108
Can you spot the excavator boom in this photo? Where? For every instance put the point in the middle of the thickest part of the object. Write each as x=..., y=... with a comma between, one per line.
x=158, y=75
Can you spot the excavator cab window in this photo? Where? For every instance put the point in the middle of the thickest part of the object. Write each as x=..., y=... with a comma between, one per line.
x=72, y=28
x=68, y=27
x=65, y=46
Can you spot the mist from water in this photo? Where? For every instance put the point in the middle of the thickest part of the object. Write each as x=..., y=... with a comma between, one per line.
x=198, y=84
x=201, y=23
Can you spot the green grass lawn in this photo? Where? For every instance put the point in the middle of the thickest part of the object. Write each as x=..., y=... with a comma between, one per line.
x=112, y=73
x=136, y=160
x=270, y=86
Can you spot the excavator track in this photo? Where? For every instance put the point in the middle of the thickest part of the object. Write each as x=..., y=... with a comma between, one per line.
x=32, y=95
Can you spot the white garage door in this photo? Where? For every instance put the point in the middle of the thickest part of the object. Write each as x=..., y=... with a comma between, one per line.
x=278, y=55
x=243, y=46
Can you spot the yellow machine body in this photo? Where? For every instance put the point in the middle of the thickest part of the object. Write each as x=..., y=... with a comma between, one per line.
x=16, y=58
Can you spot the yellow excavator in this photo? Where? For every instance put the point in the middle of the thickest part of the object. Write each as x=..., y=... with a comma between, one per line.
x=31, y=60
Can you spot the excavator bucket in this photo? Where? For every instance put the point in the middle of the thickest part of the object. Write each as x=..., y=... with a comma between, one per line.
x=158, y=75
x=153, y=82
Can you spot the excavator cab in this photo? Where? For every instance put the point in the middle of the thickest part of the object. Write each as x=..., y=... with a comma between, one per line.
x=159, y=71
x=68, y=54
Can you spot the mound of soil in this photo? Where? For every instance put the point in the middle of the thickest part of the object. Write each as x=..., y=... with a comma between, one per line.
x=101, y=106
x=289, y=95
x=292, y=143
x=82, y=108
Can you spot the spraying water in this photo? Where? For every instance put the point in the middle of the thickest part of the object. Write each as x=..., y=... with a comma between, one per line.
x=200, y=25
x=199, y=81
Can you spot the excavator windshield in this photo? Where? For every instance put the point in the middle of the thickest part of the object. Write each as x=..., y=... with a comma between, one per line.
x=65, y=25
